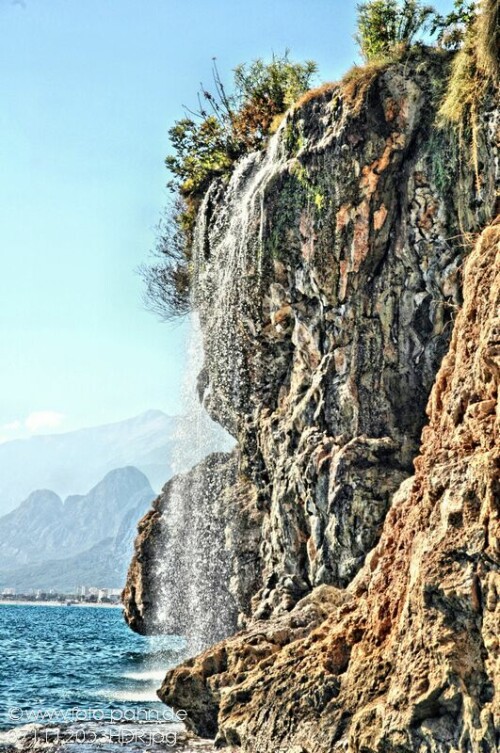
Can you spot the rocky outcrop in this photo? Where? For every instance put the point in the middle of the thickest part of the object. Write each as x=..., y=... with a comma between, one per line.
x=200, y=682
x=408, y=658
x=328, y=274
x=328, y=277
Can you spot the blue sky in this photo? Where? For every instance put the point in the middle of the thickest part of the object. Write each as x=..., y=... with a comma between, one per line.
x=89, y=89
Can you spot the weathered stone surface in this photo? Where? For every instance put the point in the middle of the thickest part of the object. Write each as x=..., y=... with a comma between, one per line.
x=410, y=660
x=201, y=682
x=329, y=270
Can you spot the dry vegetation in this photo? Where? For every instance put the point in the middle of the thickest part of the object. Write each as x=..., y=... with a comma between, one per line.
x=357, y=82
x=475, y=68
x=319, y=91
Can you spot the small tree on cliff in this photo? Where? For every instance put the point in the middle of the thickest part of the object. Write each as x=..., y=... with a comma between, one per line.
x=206, y=143
x=227, y=125
x=452, y=28
x=263, y=93
x=384, y=26
x=167, y=278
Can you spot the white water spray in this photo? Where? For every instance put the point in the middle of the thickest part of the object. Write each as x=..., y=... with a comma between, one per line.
x=191, y=564
x=188, y=539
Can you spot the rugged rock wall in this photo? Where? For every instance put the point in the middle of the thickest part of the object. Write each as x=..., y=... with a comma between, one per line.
x=410, y=660
x=328, y=275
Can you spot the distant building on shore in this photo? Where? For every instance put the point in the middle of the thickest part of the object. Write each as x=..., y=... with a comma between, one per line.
x=81, y=594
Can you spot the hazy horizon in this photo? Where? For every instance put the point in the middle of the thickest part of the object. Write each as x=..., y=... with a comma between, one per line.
x=90, y=91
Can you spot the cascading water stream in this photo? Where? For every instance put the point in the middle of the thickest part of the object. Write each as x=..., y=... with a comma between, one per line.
x=192, y=560
x=226, y=286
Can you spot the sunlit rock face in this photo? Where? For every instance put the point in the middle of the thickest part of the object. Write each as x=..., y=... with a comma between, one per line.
x=328, y=272
x=408, y=657
x=328, y=277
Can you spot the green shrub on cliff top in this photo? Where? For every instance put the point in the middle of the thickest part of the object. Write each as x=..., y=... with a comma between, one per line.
x=206, y=143
x=227, y=125
x=201, y=153
x=452, y=27
x=386, y=25
x=263, y=93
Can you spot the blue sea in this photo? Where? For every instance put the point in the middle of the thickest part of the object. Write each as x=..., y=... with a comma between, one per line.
x=58, y=662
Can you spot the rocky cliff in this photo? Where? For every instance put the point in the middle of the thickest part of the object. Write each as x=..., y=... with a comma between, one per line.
x=329, y=274
x=408, y=657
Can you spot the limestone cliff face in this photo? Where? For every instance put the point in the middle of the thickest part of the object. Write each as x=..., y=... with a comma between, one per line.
x=328, y=275
x=328, y=278
x=410, y=659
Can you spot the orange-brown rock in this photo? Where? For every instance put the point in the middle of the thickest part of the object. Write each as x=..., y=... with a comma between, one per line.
x=408, y=658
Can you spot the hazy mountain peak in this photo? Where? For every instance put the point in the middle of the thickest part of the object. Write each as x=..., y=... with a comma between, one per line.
x=129, y=477
x=42, y=528
x=41, y=498
x=151, y=414
x=74, y=462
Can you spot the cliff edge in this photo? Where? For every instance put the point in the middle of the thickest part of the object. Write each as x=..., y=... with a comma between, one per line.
x=329, y=278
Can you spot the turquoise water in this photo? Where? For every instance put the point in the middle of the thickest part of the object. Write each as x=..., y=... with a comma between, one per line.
x=68, y=660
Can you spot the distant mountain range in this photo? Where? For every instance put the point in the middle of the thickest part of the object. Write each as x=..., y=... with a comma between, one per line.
x=85, y=540
x=73, y=462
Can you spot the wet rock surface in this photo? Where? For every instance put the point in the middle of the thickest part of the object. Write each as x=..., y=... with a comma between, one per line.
x=329, y=279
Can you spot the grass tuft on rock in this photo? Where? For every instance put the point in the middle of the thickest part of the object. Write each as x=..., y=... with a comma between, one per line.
x=475, y=68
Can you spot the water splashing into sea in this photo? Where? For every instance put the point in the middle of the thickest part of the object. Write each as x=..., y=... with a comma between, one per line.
x=227, y=261
x=187, y=560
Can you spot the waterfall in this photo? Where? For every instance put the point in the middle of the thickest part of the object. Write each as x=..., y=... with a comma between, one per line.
x=226, y=286
x=189, y=543
x=193, y=569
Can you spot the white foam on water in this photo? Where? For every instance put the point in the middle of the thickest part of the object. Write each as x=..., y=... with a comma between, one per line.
x=17, y=734
x=130, y=695
x=147, y=676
